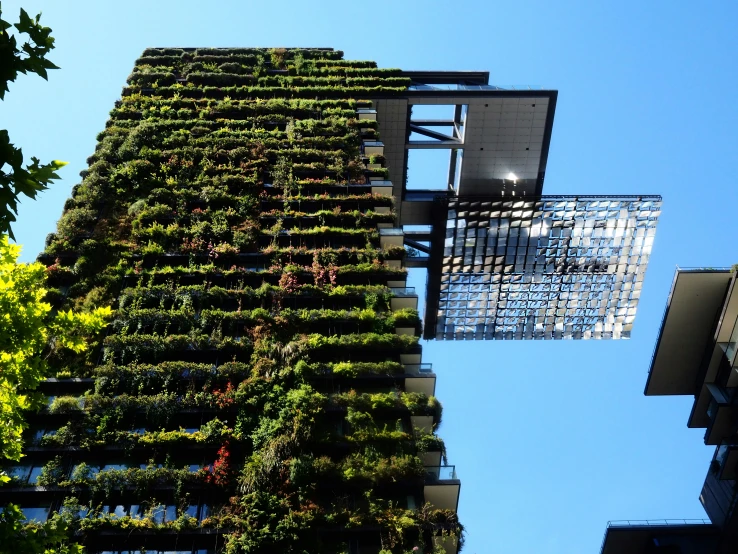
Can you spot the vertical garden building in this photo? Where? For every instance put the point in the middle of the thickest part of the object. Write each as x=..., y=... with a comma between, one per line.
x=261, y=387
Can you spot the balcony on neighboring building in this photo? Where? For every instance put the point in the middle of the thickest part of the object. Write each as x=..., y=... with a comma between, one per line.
x=683, y=536
x=685, y=355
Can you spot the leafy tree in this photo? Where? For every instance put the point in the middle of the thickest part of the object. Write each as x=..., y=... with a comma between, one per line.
x=28, y=334
x=50, y=537
x=30, y=57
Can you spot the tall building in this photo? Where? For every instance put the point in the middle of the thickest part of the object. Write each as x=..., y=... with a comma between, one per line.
x=261, y=388
x=696, y=355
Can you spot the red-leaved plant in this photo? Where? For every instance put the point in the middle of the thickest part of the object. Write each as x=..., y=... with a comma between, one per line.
x=220, y=472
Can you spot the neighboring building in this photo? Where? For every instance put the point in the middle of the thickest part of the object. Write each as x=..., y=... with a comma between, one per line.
x=696, y=355
x=261, y=387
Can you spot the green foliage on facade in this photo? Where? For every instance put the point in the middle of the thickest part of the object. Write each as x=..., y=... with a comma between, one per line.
x=253, y=364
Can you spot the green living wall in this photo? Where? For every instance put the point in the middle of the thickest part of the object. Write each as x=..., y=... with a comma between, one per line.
x=247, y=396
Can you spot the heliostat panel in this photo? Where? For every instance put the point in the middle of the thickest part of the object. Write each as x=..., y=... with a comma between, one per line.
x=547, y=268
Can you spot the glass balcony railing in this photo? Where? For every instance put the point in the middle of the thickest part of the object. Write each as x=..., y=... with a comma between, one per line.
x=422, y=369
x=391, y=232
x=656, y=522
x=440, y=473
x=731, y=347
x=403, y=292
x=456, y=86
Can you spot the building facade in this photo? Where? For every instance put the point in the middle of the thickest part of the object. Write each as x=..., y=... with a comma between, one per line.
x=696, y=355
x=261, y=387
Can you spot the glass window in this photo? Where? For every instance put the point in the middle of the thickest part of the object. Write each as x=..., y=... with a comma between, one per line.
x=194, y=467
x=20, y=473
x=171, y=513
x=191, y=510
x=108, y=467
x=158, y=514
x=204, y=511
x=135, y=510
x=35, y=472
x=39, y=513
x=119, y=511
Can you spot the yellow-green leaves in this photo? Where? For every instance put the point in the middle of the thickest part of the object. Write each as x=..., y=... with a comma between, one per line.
x=28, y=332
x=70, y=329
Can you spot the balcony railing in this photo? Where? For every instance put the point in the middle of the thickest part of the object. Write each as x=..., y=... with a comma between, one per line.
x=656, y=522
x=455, y=86
x=623, y=523
x=422, y=369
x=403, y=292
x=440, y=473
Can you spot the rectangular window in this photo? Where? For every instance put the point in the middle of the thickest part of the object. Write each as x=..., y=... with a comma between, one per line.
x=35, y=473
x=171, y=513
x=20, y=473
x=204, y=511
x=37, y=513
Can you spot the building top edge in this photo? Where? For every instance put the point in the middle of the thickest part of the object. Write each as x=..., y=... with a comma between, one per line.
x=703, y=270
x=192, y=48
x=546, y=197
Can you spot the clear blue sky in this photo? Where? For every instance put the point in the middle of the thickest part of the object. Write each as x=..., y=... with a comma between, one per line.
x=551, y=439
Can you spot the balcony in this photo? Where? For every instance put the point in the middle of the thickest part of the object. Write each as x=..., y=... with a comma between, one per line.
x=391, y=237
x=366, y=113
x=442, y=487
x=373, y=148
x=402, y=298
x=382, y=187
x=689, y=536
x=722, y=413
x=696, y=300
x=420, y=378
x=725, y=461
x=422, y=423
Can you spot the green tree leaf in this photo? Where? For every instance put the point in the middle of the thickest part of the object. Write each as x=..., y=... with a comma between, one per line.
x=15, y=179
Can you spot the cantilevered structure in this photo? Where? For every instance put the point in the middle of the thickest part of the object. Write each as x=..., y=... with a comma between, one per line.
x=505, y=261
x=695, y=355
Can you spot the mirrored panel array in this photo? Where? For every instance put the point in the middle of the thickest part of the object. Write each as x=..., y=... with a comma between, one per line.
x=547, y=268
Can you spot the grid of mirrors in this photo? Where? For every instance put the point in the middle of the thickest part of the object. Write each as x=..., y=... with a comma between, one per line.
x=544, y=268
